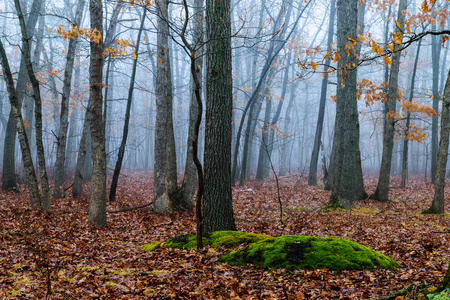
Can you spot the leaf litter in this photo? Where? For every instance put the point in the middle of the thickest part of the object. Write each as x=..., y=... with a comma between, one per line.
x=60, y=255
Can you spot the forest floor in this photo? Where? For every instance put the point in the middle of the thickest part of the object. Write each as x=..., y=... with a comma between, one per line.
x=60, y=254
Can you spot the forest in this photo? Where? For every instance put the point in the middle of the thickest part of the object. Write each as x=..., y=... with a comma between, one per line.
x=224, y=149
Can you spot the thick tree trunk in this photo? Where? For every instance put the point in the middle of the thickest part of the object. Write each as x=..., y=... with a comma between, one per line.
x=348, y=183
x=382, y=191
x=437, y=206
x=118, y=167
x=312, y=175
x=164, y=173
x=217, y=204
x=97, y=204
x=58, y=189
x=435, y=56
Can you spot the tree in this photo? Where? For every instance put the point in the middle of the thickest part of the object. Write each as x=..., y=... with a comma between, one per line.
x=97, y=204
x=26, y=50
x=9, y=175
x=16, y=114
x=185, y=194
x=165, y=168
x=382, y=191
x=115, y=179
x=312, y=175
x=58, y=189
x=217, y=203
x=437, y=206
x=348, y=183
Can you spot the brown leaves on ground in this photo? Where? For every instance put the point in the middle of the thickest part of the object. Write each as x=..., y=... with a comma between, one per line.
x=61, y=255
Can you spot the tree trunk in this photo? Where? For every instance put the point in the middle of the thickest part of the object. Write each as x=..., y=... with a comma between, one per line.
x=58, y=189
x=348, y=183
x=435, y=55
x=262, y=170
x=97, y=204
x=184, y=197
x=33, y=186
x=164, y=174
x=217, y=204
x=312, y=175
x=115, y=178
x=408, y=120
x=73, y=129
x=26, y=50
x=9, y=169
x=382, y=191
x=437, y=206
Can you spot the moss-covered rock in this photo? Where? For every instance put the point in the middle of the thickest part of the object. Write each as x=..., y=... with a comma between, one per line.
x=289, y=251
x=152, y=246
x=216, y=239
x=307, y=252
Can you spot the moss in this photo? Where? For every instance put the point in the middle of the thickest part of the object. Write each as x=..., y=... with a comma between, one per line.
x=444, y=295
x=216, y=239
x=152, y=246
x=307, y=252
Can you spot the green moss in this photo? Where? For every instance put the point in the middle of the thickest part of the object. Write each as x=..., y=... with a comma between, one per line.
x=152, y=246
x=444, y=295
x=307, y=252
x=226, y=239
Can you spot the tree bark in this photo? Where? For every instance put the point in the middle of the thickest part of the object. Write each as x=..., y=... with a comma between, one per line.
x=38, y=110
x=435, y=55
x=217, y=204
x=165, y=174
x=408, y=121
x=184, y=197
x=115, y=178
x=382, y=191
x=348, y=183
x=437, y=206
x=33, y=186
x=58, y=189
x=312, y=175
x=97, y=204
x=9, y=169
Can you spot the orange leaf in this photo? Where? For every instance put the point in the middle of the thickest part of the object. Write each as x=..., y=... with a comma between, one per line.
x=314, y=66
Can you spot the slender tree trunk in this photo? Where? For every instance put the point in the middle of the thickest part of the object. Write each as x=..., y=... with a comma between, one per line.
x=38, y=110
x=115, y=178
x=33, y=186
x=408, y=121
x=437, y=206
x=382, y=191
x=164, y=174
x=312, y=175
x=287, y=124
x=73, y=129
x=9, y=169
x=185, y=195
x=58, y=189
x=97, y=204
x=217, y=204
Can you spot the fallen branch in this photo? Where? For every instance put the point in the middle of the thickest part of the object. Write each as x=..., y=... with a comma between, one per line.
x=129, y=209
